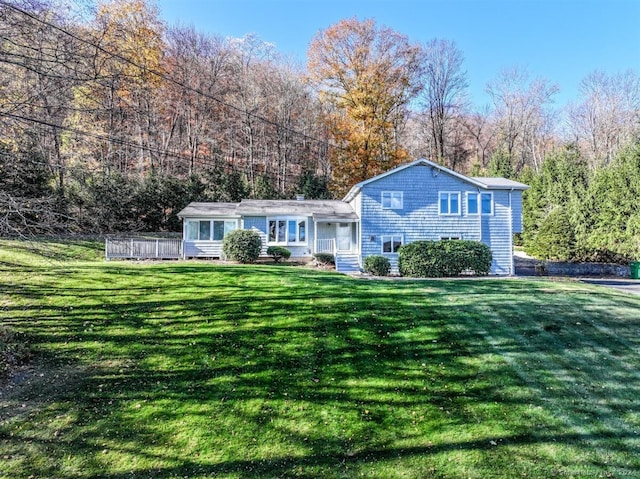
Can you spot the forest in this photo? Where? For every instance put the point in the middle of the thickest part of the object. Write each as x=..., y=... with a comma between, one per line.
x=112, y=121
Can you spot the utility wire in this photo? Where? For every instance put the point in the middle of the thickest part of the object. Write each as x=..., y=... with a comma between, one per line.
x=164, y=76
x=166, y=153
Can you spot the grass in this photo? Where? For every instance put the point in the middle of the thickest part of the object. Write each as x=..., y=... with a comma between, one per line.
x=191, y=369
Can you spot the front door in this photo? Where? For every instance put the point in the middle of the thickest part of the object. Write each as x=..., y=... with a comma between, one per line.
x=343, y=236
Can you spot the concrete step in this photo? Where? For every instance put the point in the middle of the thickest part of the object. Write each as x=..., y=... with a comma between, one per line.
x=347, y=263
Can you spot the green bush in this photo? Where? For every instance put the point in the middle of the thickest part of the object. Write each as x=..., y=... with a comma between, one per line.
x=278, y=253
x=436, y=259
x=555, y=239
x=243, y=246
x=325, y=258
x=377, y=265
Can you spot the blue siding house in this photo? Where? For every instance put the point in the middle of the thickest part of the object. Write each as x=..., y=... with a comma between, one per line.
x=416, y=201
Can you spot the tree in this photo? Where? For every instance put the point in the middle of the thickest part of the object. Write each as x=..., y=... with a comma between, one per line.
x=609, y=225
x=608, y=116
x=366, y=76
x=551, y=207
x=522, y=118
x=192, y=122
x=443, y=96
x=38, y=64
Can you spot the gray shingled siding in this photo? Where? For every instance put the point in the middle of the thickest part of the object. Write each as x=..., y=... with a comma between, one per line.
x=202, y=249
x=516, y=207
x=419, y=218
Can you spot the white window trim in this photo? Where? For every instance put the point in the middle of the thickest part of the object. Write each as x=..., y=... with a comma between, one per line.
x=286, y=219
x=383, y=237
x=449, y=193
x=391, y=194
x=211, y=227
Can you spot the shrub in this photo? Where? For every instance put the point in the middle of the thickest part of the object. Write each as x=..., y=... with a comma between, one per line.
x=278, y=253
x=435, y=259
x=377, y=265
x=243, y=246
x=324, y=258
x=555, y=239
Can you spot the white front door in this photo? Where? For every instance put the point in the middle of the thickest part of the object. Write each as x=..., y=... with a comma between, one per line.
x=343, y=236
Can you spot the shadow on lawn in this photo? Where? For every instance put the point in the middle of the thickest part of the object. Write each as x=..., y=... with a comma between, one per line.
x=330, y=367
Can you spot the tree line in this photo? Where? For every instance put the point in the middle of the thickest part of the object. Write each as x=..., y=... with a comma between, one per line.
x=113, y=120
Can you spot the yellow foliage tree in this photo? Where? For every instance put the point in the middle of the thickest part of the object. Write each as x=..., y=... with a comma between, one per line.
x=133, y=31
x=365, y=76
x=126, y=65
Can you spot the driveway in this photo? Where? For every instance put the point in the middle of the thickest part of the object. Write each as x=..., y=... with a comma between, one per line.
x=627, y=285
x=525, y=266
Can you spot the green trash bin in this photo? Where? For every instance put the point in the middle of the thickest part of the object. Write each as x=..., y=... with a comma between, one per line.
x=634, y=269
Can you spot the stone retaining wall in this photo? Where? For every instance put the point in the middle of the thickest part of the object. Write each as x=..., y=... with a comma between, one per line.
x=582, y=269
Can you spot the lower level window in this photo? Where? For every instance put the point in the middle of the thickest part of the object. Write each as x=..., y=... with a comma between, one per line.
x=391, y=244
x=448, y=238
x=207, y=230
x=288, y=230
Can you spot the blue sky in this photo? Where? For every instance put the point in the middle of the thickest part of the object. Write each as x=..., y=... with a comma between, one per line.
x=562, y=40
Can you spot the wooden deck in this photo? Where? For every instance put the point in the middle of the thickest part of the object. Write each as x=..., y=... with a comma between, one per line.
x=137, y=248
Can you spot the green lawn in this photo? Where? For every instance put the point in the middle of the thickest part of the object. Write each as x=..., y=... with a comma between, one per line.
x=192, y=369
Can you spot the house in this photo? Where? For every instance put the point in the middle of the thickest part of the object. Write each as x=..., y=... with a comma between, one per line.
x=416, y=201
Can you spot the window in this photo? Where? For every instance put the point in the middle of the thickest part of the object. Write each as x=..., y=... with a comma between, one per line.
x=449, y=238
x=449, y=203
x=288, y=230
x=391, y=244
x=218, y=230
x=222, y=228
x=485, y=205
x=472, y=203
x=392, y=200
x=192, y=230
x=202, y=230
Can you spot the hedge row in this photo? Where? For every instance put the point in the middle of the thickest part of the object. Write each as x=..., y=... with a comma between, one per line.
x=436, y=259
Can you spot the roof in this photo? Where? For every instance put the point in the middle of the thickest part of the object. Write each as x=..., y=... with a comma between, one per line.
x=321, y=210
x=484, y=183
x=203, y=210
x=292, y=207
x=496, y=183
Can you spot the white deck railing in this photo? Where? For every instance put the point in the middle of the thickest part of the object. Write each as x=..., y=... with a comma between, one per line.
x=326, y=246
x=134, y=248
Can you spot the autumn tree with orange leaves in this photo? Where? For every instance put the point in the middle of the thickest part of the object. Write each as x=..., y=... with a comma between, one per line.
x=365, y=75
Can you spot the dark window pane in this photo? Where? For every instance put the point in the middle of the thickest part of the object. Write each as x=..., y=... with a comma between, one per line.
x=472, y=204
x=486, y=204
x=302, y=234
x=218, y=230
x=455, y=207
x=272, y=230
x=292, y=231
x=205, y=230
x=444, y=204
